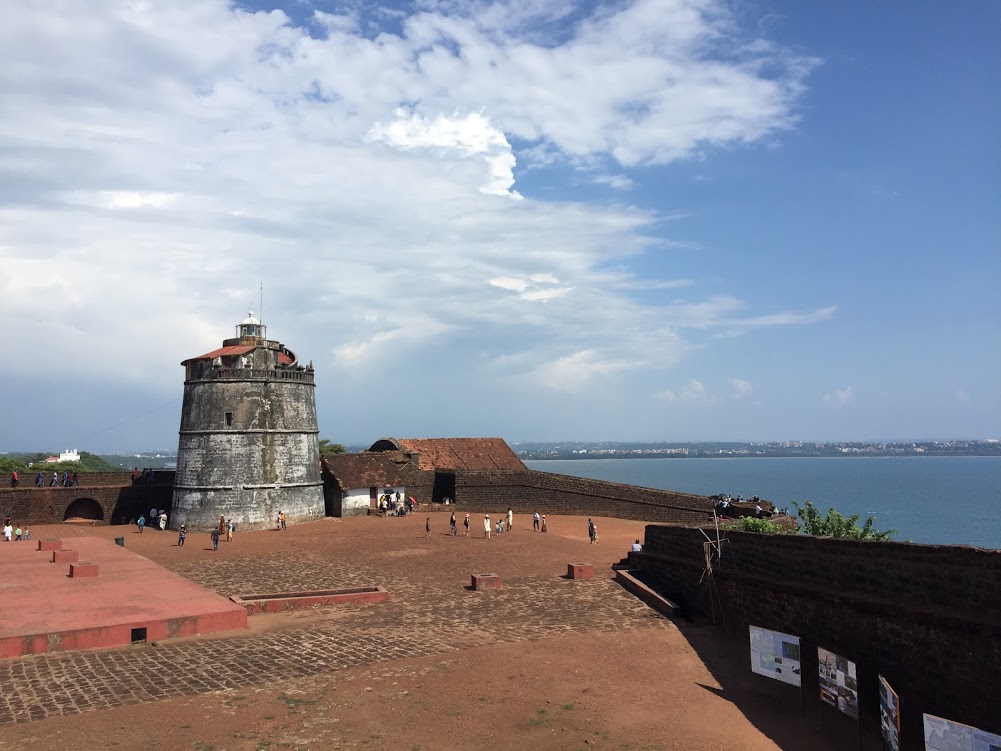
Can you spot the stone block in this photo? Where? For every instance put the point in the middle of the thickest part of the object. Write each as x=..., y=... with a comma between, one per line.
x=82, y=570
x=46, y=545
x=486, y=581
x=580, y=571
x=65, y=556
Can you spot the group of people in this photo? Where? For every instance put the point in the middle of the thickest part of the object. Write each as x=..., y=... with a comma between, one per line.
x=146, y=477
x=724, y=505
x=396, y=504
x=68, y=479
x=12, y=533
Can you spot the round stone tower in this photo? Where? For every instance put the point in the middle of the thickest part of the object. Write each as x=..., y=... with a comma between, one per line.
x=248, y=446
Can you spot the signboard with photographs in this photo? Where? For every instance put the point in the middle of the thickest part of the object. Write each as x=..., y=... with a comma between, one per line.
x=889, y=714
x=838, y=682
x=775, y=655
x=946, y=735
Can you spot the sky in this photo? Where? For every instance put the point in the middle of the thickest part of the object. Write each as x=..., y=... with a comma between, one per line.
x=660, y=220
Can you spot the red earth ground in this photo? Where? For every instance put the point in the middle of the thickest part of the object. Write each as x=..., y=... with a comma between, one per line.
x=544, y=663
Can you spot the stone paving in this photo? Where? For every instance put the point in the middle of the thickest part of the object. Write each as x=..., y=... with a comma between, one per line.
x=430, y=611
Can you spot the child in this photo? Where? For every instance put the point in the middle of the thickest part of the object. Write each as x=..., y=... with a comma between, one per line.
x=27, y=533
x=17, y=534
x=182, y=532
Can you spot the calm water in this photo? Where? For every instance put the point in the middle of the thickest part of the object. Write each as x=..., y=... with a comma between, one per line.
x=945, y=500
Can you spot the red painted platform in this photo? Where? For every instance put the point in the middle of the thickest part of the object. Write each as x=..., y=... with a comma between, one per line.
x=580, y=571
x=52, y=612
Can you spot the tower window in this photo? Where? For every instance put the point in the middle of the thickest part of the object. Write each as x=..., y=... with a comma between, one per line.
x=229, y=419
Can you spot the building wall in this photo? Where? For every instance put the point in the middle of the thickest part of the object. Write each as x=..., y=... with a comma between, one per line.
x=118, y=503
x=927, y=617
x=262, y=460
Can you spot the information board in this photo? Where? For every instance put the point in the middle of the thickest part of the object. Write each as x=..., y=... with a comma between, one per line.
x=889, y=714
x=838, y=682
x=775, y=655
x=946, y=735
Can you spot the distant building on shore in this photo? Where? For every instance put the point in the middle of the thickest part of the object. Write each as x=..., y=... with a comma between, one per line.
x=248, y=446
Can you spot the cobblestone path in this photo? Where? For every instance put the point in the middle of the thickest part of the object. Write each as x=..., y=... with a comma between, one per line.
x=430, y=611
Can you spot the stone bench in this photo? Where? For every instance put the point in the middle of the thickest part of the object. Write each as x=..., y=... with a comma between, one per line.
x=65, y=556
x=46, y=545
x=82, y=570
x=486, y=581
x=580, y=571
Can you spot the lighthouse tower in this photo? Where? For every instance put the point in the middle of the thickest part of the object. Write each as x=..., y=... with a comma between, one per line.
x=248, y=444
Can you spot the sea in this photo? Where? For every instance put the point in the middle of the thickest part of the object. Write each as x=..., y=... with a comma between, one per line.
x=954, y=500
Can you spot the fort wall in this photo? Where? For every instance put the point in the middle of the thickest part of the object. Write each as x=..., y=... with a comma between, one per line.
x=531, y=490
x=928, y=618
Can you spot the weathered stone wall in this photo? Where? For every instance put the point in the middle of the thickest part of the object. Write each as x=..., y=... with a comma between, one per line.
x=927, y=617
x=118, y=504
x=247, y=450
x=530, y=491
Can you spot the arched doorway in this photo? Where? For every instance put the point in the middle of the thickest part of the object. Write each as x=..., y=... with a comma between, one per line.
x=84, y=509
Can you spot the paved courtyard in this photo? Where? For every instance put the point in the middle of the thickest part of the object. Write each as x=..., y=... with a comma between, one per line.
x=542, y=663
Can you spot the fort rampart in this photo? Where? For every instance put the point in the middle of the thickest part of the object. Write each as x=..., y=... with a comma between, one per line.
x=928, y=618
x=101, y=497
x=531, y=490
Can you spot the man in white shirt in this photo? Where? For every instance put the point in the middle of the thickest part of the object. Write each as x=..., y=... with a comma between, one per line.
x=636, y=547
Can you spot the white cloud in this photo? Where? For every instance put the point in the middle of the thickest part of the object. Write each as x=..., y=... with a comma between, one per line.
x=694, y=391
x=740, y=388
x=618, y=182
x=666, y=395
x=839, y=397
x=471, y=135
x=161, y=160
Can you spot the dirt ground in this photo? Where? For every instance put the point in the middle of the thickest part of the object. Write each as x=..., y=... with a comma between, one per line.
x=544, y=663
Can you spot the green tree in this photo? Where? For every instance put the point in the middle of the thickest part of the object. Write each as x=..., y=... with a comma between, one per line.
x=837, y=525
x=754, y=524
x=329, y=447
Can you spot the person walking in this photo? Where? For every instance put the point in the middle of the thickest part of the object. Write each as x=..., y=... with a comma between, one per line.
x=230, y=529
x=13, y=479
x=8, y=532
x=39, y=479
x=544, y=523
x=465, y=526
x=141, y=523
x=427, y=527
x=281, y=519
x=66, y=479
x=510, y=518
x=222, y=525
x=182, y=532
x=451, y=524
x=486, y=526
x=55, y=480
x=163, y=521
x=17, y=534
x=215, y=538
x=592, y=532
x=535, y=521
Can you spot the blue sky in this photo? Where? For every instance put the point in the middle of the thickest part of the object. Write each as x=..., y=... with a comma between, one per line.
x=659, y=220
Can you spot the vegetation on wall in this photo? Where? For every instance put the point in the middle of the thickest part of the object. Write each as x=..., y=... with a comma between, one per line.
x=754, y=524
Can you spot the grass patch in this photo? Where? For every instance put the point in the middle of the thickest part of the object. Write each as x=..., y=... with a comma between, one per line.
x=294, y=703
x=568, y=707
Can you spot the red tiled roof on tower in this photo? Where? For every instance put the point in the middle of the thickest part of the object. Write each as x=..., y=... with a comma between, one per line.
x=455, y=453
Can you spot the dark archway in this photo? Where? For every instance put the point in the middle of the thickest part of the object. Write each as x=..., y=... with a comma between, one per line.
x=84, y=508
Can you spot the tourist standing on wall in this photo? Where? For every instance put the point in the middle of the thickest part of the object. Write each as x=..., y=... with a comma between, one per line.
x=39, y=479
x=13, y=479
x=55, y=480
x=486, y=526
